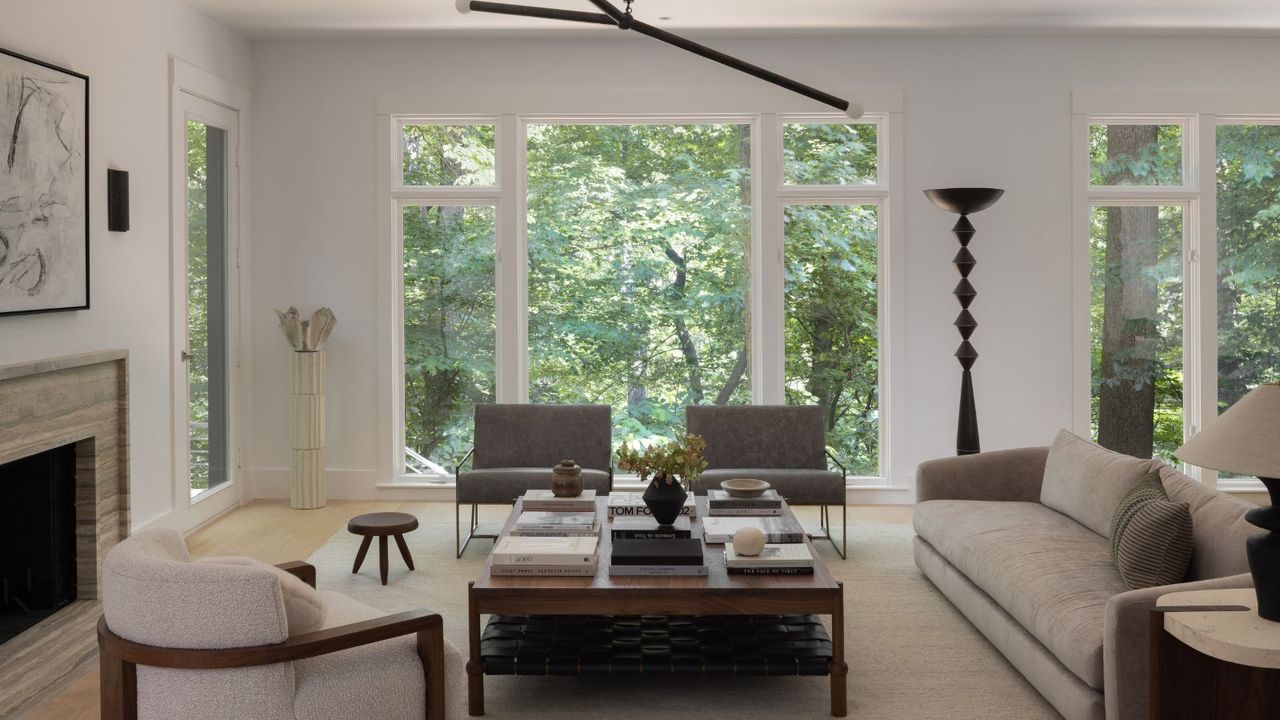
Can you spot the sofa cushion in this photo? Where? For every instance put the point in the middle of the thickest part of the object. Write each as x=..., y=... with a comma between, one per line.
x=381, y=680
x=304, y=610
x=1053, y=575
x=1086, y=482
x=503, y=485
x=764, y=436
x=522, y=435
x=799, y=487
x=1220, y=529
x=1151, y=536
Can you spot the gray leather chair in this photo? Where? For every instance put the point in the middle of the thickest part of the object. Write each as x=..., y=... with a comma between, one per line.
x=784, y=445
x=517, y=445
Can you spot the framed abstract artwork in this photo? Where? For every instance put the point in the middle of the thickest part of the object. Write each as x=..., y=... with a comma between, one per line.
x=44, y=187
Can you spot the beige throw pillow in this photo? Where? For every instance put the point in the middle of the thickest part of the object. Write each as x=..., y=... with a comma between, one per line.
x=303, y=607
x=1086, y=482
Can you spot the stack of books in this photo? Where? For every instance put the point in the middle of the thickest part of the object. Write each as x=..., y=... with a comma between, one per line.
x=631, y=504
x=539, y=523
x=669, y=556
x=775, y=559
x=722, y=503
x=546, y=501
x=718, y=530
x=544, y=556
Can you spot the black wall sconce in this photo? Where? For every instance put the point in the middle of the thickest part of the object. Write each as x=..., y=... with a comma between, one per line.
x=117, y=200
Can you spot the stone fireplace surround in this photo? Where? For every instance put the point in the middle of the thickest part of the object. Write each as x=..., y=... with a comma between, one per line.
x=44, y=404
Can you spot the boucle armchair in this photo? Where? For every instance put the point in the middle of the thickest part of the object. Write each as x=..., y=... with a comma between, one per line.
x=515, y=448
x=211, y=641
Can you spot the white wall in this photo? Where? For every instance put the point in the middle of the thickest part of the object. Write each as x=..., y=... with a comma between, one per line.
x=978, y=111
x=124, y=47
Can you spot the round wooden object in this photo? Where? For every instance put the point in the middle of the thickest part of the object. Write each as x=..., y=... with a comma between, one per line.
x=1239, y=637
x=383, y=523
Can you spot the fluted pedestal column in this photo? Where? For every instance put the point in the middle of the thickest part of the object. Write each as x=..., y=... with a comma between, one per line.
x=964, y=202
x=307, y=487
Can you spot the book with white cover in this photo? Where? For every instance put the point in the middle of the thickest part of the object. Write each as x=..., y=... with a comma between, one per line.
x=624, y=504
x=543, y=570
x=544, y=520
x=784, y=529
x=511, y=550
x=774, y=555
x=769, y=498
x=547, y=500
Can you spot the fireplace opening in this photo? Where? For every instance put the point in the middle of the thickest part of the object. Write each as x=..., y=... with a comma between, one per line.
x=37, y=538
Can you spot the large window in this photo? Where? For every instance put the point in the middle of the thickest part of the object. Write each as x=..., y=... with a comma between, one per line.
x=638, y=269
x=644, y=264
x=1184, y=273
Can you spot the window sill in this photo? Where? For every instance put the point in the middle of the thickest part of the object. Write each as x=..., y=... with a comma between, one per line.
x=626, y=484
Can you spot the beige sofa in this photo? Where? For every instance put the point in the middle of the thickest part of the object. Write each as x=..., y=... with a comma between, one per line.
x=1039, y=583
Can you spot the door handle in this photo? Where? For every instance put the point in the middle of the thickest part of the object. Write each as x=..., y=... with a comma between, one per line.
x=186, y=356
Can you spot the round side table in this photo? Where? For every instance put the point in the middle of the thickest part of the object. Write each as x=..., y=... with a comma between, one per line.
x=380, y=525
x=1213, y=657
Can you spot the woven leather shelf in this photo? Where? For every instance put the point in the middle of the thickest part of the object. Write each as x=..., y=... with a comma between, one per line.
x=656, y=645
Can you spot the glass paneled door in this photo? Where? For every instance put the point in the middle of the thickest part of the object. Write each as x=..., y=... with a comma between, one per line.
x=203, y=252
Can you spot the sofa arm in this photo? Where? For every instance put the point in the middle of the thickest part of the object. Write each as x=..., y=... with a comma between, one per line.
x=1009, y=475
x=1126, y=638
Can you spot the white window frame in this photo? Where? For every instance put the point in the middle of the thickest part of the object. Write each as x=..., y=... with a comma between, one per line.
x=1200, y=114
x=512, y=113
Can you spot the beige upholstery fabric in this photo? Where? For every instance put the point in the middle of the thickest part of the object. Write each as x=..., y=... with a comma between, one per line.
x=1012, y=475
x=1065, y=691
x=1220, y=529
x=1086, y=482
x=358, y=683
x=1125, y=637
x=303, y=608
x=1050, y=573
x=154, y=595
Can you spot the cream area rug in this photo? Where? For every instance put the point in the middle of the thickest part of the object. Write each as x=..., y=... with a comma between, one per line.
x=911, y=655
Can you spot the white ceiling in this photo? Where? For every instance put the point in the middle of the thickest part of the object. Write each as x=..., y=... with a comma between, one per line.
x=281, y=18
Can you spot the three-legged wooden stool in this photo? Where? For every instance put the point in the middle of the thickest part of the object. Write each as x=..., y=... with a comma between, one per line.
x=380, y=525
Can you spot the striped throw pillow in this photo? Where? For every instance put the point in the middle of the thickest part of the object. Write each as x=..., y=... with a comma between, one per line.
x=1151, y=536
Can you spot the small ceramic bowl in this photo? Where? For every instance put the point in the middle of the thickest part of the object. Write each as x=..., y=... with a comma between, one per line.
x=744, y=487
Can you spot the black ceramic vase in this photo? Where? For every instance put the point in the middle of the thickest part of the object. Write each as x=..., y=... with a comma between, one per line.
x=665, y=500
x=1264, y=553
x=964, y=202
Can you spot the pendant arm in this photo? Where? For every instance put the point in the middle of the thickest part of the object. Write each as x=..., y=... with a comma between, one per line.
x=538, y=12
x=740, y=65
x=618, y=17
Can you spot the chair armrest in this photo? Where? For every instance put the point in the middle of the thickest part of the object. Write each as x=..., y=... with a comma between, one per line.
x=301, y=570
x=457, y=467
x=1126, y=641
x=1008, y=475
x=298, y=647
x=832, y=457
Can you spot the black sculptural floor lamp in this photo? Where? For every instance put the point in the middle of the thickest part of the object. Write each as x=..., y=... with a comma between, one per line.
x=965, y=202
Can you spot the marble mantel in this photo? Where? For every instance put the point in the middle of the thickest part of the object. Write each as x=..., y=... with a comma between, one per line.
x=44, y=404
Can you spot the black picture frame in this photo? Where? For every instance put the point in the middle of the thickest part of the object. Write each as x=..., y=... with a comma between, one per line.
x=11, y=129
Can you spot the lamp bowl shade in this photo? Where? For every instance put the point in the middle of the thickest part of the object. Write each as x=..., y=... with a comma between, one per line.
x=1244, y=440
x=964, y=201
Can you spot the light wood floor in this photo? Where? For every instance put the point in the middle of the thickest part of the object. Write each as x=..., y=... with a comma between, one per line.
x=272, y=532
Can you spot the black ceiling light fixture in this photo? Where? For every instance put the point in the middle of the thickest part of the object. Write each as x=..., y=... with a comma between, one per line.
x=623, y=20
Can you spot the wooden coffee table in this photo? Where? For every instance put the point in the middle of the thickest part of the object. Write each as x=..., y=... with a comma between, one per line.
x=718, y=594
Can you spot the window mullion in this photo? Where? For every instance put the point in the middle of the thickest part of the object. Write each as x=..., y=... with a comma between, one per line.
x=768, y=314
x=1202, y=385
x=511, y=268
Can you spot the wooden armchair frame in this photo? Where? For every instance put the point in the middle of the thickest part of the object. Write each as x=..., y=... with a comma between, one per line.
x=119, y=658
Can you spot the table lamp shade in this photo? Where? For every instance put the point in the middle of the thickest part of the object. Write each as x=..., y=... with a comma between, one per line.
x=1244, y=440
